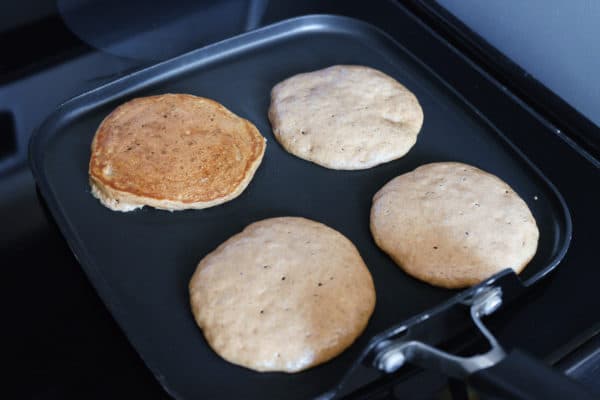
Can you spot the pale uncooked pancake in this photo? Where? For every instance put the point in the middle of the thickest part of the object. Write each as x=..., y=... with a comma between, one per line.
x=285, y=294
x=453, y=225
x=345, y=117
x=173, y=151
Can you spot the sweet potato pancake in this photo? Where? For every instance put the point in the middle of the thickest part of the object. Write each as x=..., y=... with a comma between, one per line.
x=285, y=294
x=173, y=152
x=345, y=117
x=453, y=225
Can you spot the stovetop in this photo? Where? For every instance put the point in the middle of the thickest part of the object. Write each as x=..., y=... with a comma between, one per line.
x=61, y=340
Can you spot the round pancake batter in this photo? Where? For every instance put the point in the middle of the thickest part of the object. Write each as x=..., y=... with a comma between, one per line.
x=345, y=117
x=453, y=225
x=285, y=294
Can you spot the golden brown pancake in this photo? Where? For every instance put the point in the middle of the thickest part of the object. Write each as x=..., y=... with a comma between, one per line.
x=173, y=152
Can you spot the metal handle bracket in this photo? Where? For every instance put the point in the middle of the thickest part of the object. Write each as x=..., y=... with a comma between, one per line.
x=393, y=354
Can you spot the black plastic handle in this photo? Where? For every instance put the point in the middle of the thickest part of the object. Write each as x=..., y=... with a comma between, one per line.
x=522, y=377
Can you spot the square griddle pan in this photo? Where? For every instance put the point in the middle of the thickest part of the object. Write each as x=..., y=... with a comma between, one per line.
x=140, y=262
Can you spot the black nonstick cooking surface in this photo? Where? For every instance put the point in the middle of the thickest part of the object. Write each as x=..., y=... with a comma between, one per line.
x=140, y=262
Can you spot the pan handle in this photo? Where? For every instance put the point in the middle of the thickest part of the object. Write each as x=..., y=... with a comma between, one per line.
x=495, y=374
x=521, y=377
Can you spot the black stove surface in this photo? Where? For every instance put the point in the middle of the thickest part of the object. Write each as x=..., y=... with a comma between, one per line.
x=60, y=339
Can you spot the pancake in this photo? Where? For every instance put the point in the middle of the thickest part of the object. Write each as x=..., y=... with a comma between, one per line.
x=453, y=225
x=345, y=117
x=173, y=152
x=285, y=294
